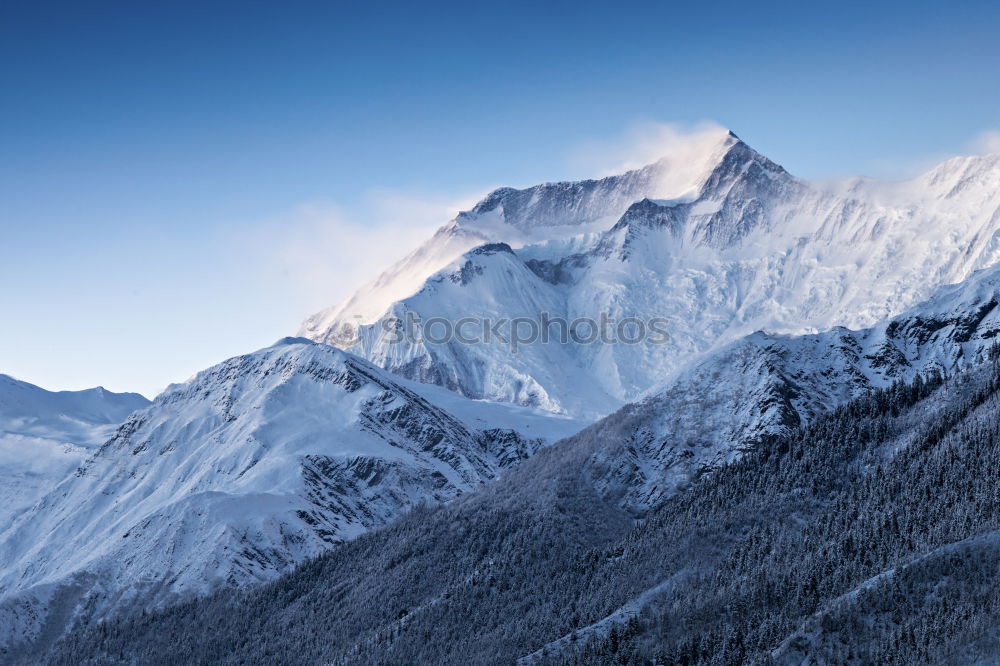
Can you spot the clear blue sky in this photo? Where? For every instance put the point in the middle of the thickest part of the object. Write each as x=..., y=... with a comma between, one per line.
x=186, y=182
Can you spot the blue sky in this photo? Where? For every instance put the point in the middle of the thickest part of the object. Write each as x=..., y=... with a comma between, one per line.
x=183, y=183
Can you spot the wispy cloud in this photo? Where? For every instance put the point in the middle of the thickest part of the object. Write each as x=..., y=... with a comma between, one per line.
x=986, y=143
x=322, y=251
x=688, y=153
x=646, y=142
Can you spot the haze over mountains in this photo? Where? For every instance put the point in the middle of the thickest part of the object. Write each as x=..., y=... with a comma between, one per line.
x=783, y=300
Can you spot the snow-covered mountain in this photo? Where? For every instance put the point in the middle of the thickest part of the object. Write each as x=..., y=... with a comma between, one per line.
x=244, y=471
x=767, y=384
x=268, y=459
x=547, y=212
x=44, y=435
x=718, y=247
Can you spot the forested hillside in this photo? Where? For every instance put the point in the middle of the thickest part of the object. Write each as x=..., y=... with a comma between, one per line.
x=864, y=537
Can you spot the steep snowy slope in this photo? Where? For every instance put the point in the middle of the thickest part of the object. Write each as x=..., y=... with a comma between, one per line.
x=769, y=384
x=249, y=468
x=487, y=280
x=548, y=212
x=44, y=435
x=749, y=247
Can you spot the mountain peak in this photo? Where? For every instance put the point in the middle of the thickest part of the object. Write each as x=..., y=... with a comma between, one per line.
x=684, y=165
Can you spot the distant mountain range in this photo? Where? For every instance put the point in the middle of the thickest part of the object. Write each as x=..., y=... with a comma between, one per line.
x=44, y=435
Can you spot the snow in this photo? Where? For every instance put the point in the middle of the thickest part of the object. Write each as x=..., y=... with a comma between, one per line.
x=754, y=249
x=551, y=212
x=783, y=297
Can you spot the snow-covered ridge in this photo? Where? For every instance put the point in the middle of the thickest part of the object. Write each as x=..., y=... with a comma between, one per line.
x=249, y=468
x=767, y=384
x=752, y=248
x=571, y=206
